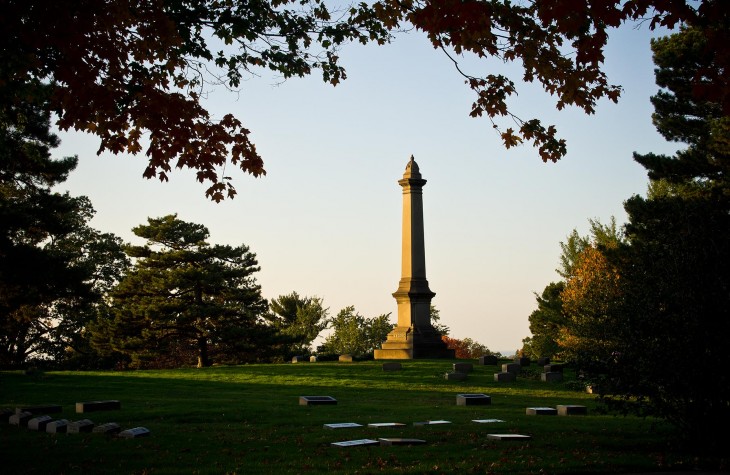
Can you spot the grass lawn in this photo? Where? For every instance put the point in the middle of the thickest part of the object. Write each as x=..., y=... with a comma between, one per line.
x=247, y=419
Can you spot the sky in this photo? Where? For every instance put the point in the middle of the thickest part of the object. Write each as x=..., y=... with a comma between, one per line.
x=325, y=220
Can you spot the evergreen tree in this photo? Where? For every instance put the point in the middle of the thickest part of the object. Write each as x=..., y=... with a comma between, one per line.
x=52, y=267
x=186, y=300
x=356, y=335
x=299, y=319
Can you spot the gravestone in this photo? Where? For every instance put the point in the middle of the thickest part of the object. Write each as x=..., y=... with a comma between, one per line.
x=92, y=406
x=57, y=427
x=39, y=423
x=38, y=410
x=317, y=401
x=109, y=428
x=541, y=411
x=511, y=368
x=400, y=441
x=543, y=361
x=508, y=437
x=553, y=368
x=78, y=427
x=342, y=425
x=505, y=377
x=523, y=362
x=551, y=377
x=463, y=367
x=386, y=424
x=312, y=359
x=392, y=366
x=473, y=400
x=455, y=376
x=488, y=360
x=431, y=423
x=356, y=443
x=134, y=433
x=571, y=410
x=20, y=419
x=298, y=359
x=487, y=421
x=345, y=358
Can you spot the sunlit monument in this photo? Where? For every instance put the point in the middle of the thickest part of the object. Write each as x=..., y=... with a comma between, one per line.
x=414, y=336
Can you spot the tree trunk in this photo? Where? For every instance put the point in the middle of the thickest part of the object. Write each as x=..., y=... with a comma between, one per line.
x=203, y=360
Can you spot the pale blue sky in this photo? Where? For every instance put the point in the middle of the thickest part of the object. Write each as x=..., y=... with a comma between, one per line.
x=325, y=221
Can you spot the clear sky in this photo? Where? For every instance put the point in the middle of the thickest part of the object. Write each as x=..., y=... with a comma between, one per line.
x=325, y=221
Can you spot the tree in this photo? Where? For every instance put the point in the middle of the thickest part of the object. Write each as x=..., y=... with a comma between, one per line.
x=436, y=322
x=545, y=323
x=665, y=290
x=128, y=68
x=356, y=335
x=53, y=266
x=467, y=348
x=186, y=298
x=550, y=325
x=703, y=124
x=131, y=68
x=300, y=319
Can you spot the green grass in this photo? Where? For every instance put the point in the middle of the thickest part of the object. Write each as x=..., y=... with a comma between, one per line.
x=246, y=419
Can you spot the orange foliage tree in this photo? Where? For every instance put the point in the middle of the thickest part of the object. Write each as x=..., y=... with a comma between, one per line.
x=466, y=348
x=590, y=295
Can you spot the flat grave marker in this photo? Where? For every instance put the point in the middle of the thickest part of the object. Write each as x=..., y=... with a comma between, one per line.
x=392, y=366
x=400, y=441
x=386, y=424
x=77, y=427
x=473, y=400
x=317, y=401
x=39, y=423
x=57, y=427
x=431, y=423
x=541, y=411
x=134, y=433
x=92, y=406
x=487, y=421
x=510, y=437
x=342, y=425
x=571, y=410
x=356, y=443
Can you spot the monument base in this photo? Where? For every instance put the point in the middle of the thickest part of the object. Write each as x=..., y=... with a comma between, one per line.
x=407, y=343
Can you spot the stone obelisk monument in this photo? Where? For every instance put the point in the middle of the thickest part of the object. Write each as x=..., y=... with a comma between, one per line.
x=414, y=336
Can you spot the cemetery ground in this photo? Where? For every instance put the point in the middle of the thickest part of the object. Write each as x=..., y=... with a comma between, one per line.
x=248, y=419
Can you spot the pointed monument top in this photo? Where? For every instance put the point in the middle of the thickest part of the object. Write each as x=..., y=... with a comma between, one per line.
x=412, y=169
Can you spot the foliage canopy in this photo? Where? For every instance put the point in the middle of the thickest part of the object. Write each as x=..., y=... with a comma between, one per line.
x=133, y=72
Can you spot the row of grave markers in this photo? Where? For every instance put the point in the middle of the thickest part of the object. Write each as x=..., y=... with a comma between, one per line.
x=36, y=418
x=461, y=400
